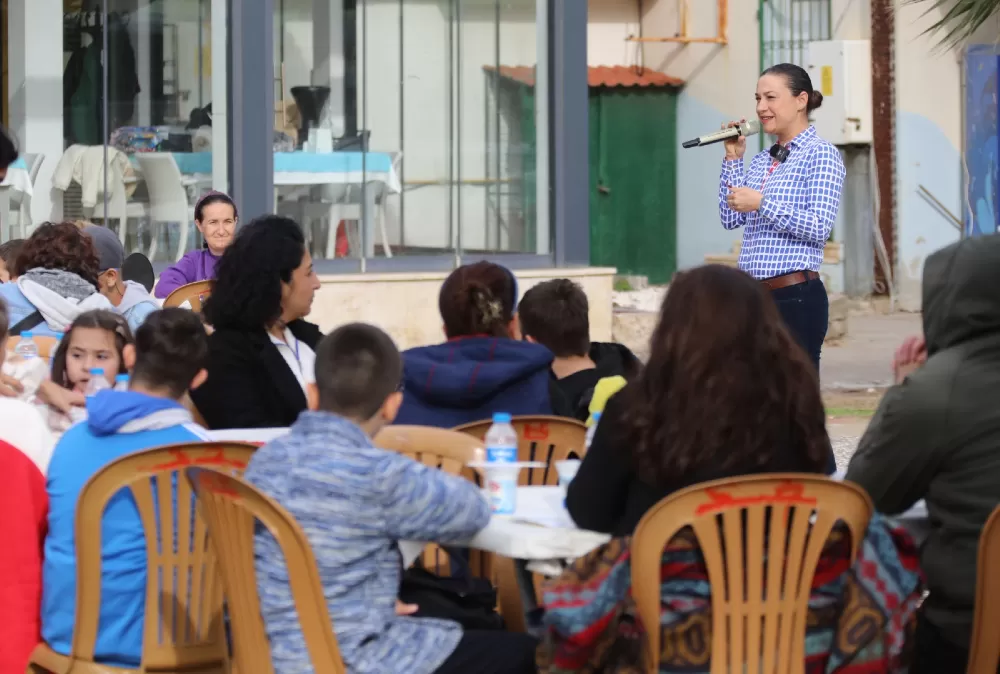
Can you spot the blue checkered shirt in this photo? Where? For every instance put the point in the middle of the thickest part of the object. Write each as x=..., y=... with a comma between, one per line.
x=788, y=231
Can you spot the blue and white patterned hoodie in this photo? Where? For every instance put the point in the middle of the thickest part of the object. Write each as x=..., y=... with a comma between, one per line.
x=355, y=502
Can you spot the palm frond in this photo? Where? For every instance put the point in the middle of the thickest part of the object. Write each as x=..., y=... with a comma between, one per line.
x=960, y=19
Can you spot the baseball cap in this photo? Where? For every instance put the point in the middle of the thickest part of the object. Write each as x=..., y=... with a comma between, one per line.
x=109, y=249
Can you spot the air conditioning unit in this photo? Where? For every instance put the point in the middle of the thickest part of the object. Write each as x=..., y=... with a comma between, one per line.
x=842, y=71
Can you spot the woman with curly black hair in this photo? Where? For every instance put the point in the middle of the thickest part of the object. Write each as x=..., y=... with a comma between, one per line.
x=727, y=391
x=262, y=352
x=56, y=273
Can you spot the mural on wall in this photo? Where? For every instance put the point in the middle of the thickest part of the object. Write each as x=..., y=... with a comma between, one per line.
x=982, y=143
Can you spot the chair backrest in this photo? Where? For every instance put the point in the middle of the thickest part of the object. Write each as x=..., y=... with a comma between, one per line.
x=184, y=613
x=540, y=438
x=46, y=345
x=984, y=650
x=34, y=163
x=230, y=505
x=138, y=268
x=446, y=450
x=450, y=451
x=435, y=447
x=194, y=294
x=168, y=200
x=761, y=537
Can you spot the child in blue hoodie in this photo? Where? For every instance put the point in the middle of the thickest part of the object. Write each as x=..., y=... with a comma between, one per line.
x=171, y=349
x=484, y=367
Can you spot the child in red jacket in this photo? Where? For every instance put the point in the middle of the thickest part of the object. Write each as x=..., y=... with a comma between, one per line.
x=25, y=449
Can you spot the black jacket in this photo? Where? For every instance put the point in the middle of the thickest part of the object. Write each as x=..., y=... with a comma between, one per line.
x=936, y=436
x=577, y=390
x=609, y=494
x=249, y=384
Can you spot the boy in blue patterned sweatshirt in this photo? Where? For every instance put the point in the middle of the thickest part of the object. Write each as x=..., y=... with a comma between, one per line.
x=355, y=502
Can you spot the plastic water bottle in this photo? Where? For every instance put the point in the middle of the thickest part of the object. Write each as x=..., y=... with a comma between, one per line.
x=592, y=430
x=501, y=460
x=97, y=383
x=121, y=382
x=26, y=347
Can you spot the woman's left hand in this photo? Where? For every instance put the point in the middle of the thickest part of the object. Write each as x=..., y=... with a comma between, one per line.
x=743, y=199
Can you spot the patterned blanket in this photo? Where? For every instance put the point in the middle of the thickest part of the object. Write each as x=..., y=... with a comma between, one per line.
x=860, y=615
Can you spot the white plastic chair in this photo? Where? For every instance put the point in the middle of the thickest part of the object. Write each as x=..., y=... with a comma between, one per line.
x=168, y=198
x=336, y=204
x=21, y=201
x=118, y=206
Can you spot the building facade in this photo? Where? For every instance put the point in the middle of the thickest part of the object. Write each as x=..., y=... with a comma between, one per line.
x=377, y=124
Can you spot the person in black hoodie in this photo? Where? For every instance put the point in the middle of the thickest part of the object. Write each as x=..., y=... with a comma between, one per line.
x=935, y=437
x=726, y=392
x=262, y=352
x=556, y=315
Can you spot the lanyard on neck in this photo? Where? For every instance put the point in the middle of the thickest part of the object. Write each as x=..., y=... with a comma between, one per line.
x=767, y=175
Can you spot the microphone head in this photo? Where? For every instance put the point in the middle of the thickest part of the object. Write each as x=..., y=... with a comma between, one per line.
x=750, y=128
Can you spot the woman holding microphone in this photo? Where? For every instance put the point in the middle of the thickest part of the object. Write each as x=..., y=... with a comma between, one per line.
x=786, y=202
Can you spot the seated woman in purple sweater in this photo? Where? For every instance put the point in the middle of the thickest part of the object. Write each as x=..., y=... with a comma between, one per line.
x=215, y=215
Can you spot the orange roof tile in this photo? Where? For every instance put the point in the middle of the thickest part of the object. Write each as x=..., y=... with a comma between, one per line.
x=598, y=76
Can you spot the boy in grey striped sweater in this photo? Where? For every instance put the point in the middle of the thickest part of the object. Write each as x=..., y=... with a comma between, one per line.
x=355, y=502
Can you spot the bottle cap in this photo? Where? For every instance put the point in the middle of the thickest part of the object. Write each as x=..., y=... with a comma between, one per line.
x=597, y=416
x=501, y=417
x=97, y=372
x=27, y=335
x=121, y=378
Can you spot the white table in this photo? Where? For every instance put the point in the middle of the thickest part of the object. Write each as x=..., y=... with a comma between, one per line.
x=539, y=530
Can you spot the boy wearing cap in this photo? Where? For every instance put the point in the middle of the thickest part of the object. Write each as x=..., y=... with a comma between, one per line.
x=129, y=298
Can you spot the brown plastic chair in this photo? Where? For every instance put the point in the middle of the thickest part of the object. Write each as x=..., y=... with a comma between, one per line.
x=753, y=631
x=451, y=451
x=183, y=629
x=46, y=345
x=193, y=293
x=984, y=650
x=230, y=505
x=541, y=438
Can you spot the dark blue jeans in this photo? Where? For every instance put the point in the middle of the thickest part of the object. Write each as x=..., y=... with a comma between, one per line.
x=805, y=308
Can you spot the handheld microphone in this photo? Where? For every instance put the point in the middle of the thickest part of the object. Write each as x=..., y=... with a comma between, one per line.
x=743, y=129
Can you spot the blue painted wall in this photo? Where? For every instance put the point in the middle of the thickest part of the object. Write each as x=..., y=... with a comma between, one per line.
x=982, y=213
x=699, y=230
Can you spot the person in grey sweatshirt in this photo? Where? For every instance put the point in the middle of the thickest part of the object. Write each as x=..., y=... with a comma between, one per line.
x=129, y=298
x=936, y=436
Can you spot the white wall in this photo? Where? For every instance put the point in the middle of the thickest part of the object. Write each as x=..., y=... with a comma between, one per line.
x=609, y=24
x=35, y=91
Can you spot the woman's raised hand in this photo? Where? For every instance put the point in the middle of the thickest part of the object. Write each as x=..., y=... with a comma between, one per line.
x=735, y=147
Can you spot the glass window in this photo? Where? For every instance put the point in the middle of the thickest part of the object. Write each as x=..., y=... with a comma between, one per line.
x=410, y=127
x=139, y=91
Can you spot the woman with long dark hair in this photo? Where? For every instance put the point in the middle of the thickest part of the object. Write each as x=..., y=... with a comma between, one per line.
x=262, y=351
x=726, y=391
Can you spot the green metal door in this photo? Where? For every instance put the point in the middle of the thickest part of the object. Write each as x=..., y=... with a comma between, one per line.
x=633, y=201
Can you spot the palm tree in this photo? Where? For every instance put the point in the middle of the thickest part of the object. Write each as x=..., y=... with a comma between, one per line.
x=961, y=18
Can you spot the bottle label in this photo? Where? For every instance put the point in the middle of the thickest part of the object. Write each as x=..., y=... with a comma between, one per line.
x=502, y=454
x=503, y=495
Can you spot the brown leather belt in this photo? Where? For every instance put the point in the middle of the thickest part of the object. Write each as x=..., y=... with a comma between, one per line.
x=792, y=279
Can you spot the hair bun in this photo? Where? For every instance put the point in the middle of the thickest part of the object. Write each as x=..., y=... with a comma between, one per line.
x=815, y=100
